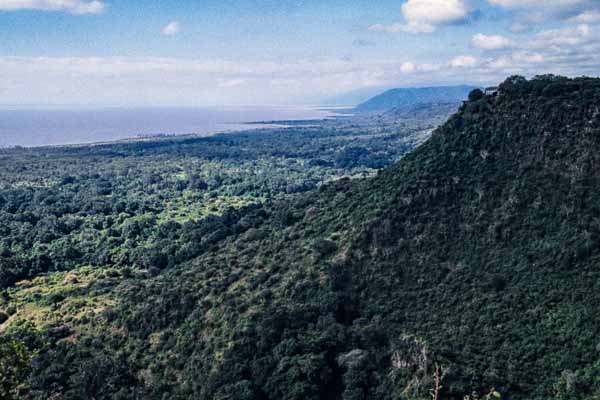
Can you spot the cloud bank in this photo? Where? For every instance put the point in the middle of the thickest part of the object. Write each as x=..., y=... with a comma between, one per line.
x=529, y=13
x=426, y=16
x=570, y=45
x=491, y=42
x=76, y=7
x=572, y=50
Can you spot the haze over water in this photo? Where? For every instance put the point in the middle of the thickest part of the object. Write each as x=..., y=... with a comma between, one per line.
x=57, y=127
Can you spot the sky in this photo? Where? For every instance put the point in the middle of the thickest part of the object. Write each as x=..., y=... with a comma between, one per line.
x=277, y=52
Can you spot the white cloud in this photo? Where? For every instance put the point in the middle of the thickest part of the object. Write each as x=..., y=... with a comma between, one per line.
x=539, y=3
x=528, y=14
x=557, y=50
x=554, y=5
x=230, y=83
x=408, y=67
x=491, y=42
x=463, y=61
x=518, y=27
x=517, y=61
x=564, y=37
x=170, y=81
x=528, y=58
x=400, y=27
x=573, y=50
x=587, y=17
x=424, y=16
x=77, y=7
x=171, y=29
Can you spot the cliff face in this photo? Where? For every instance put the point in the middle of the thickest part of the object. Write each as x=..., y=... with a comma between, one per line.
x=487, y=241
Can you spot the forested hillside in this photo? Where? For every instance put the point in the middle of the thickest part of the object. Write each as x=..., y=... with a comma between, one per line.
x=472, y=262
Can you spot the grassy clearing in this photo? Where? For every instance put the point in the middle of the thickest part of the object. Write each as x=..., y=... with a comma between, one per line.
x=71, y=299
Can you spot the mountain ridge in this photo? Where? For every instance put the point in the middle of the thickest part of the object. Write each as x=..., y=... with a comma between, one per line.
x=407, y=97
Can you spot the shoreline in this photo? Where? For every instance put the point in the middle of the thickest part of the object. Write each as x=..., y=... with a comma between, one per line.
x=245, y=127
x=218, y=129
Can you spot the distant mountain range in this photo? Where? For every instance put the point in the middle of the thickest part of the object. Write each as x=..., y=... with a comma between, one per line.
x=406, y=97
x=352, y=98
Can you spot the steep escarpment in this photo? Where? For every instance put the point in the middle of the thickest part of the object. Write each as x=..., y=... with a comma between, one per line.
x=473, y=260
x=487, y=244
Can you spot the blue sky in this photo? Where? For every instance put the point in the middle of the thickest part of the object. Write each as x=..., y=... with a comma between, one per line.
x=229, y=52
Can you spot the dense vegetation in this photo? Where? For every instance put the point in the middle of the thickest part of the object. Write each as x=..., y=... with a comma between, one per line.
x=473, y=260
x=140, y=204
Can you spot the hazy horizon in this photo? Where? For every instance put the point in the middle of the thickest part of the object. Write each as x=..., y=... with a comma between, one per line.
x=44, y=127
x=288, y=52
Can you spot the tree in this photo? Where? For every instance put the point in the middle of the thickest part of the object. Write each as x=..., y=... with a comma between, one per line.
x=14, y=368
x=475, y=95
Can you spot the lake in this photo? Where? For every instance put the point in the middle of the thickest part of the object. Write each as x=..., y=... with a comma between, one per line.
x=41, y=127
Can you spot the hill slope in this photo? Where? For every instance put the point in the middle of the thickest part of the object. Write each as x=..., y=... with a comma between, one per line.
x=477, y=254
x=407, y=97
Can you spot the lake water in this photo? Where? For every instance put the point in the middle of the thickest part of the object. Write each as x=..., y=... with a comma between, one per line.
x=55, y=127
